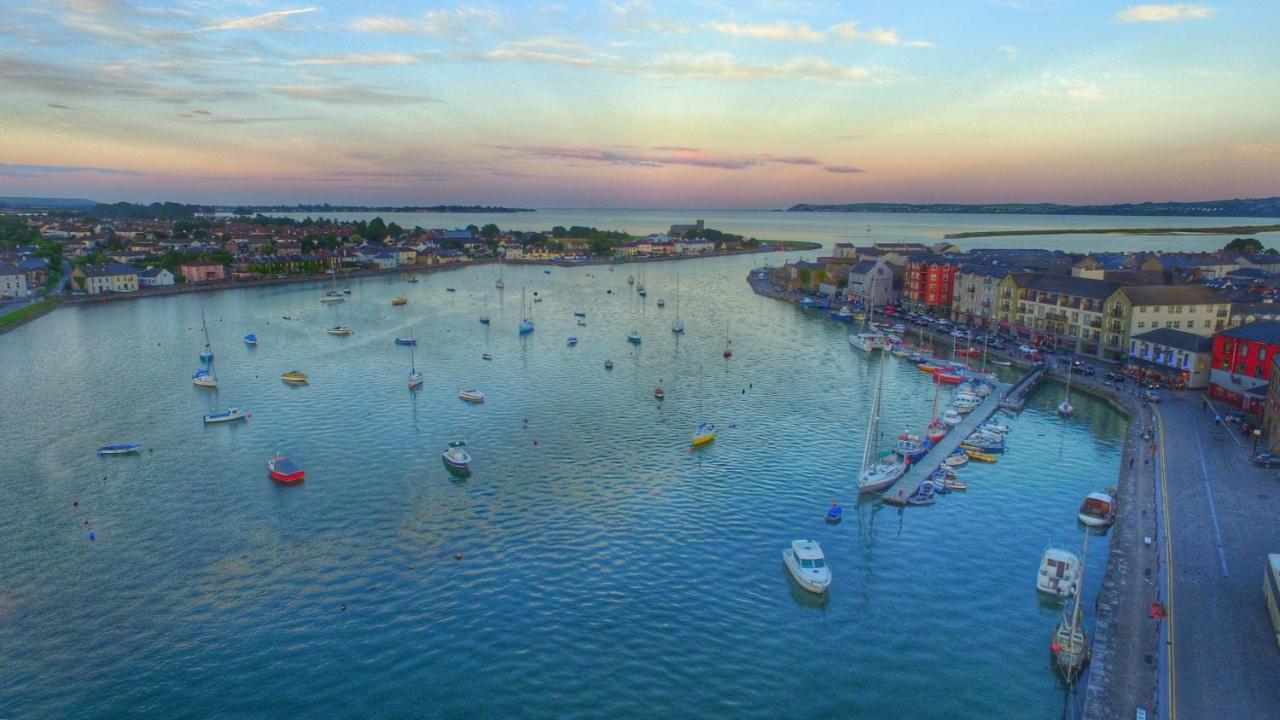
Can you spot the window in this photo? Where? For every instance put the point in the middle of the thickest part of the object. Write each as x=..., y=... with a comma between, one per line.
x=1141, y=325
x=1177, y=324
x=1168, y=323
x=1208, y=324
x=1191, y=308
x=1257, y=372
x=1155, y=308
x=1141, y=309
x=1240, y=368
x=1262, y=354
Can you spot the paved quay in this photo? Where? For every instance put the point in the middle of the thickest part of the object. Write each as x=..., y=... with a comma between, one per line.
x=919, y=472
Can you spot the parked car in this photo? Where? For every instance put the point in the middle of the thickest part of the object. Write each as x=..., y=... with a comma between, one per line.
x=1234, y=416
x=1151, y=396
x=1266, y=460
x=1086, y=370
x=1026, y=349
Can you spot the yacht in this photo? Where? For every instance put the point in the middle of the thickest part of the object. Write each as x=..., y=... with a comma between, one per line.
x=1059, y=572
x=877, y=474
x=1098, y=509
x=807, y=564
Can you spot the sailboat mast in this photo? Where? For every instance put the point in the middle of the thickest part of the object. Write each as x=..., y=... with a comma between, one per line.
x=1075, y=610
x=873, y=422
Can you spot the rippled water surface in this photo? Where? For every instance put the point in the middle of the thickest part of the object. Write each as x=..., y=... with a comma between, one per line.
x=607, y=570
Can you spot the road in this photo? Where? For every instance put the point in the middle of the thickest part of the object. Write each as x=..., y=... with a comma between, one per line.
x=1221, y=510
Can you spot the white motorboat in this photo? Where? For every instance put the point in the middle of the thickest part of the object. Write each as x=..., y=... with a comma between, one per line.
x=807, y=564
x=471, y=395
x=456, y=458
x=952, y=417
x=956, y=460
x=339, y=330
x=231, y=415
x=965, y=403
x=991, y=426
x=1098, y=509
x=868, y=341
x=1059, y=572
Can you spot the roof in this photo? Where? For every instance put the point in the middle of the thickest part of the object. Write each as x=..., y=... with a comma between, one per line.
x=863, y=267
x=109, y=270
x=1263, y=331
x=9, y=269
x=151, y=272
x=1066, y=285
x=1172, y=295
x=806, y=265
x=1179, y=339
x=806, y=549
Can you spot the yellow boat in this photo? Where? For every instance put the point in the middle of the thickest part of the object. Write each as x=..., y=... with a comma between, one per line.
x=293, y=377
x=922, y=367
x=399, y=301
x=980, y=456
x=706, y=433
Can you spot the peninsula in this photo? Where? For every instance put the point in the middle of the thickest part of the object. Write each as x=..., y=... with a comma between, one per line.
x=1227, y=230
x=1268, y=207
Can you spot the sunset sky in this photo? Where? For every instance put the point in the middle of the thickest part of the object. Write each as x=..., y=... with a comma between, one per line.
x=634, y=103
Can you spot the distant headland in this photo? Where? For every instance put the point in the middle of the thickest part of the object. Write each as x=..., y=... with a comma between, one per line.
x=1268, y=207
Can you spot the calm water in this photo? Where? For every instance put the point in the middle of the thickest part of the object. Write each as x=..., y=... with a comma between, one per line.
x=864, y=228
x=607, y=570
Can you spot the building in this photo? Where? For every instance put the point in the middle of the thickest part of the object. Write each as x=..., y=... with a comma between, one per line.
x=973, y=295
x=846, y=250
x=1243, y=358
x=109, y=278
x=36, y=269
x=929, y=282
x=1139, y=308
x=13, y=282
x=202, y=272
x=155, y=277
x=1177, y=357
x=1062, y=312
x=683, y=231
x=873, y=280
x=1271, y=409
x=1207, y=265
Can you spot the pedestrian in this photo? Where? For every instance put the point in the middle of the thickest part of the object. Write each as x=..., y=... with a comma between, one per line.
x=1130, y=463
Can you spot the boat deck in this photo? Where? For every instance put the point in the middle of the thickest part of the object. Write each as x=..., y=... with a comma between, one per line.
x=918, y=473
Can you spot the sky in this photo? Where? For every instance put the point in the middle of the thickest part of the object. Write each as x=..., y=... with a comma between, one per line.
x=639, y=103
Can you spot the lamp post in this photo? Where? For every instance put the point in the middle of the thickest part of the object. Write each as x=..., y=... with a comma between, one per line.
x=1257, y=433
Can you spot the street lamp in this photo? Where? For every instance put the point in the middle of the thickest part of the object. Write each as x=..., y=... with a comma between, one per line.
x=1257, y=433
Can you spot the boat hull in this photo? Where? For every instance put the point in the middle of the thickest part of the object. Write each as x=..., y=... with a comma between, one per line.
x=817, y=586
x=215, y=419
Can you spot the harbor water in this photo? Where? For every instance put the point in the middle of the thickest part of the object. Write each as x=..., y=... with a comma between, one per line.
x=593, y=565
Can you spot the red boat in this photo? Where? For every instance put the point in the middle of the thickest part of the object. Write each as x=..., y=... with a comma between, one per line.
x=728, y=352
x=282, y=470
x=658, y=393
x=947, y=377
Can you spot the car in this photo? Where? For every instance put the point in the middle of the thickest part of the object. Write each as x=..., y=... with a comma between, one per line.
x=958, y=333
x=1266, y=460
x=1082, y=369
x=1151, y=396
x=1234, y=416
x=1026, y=349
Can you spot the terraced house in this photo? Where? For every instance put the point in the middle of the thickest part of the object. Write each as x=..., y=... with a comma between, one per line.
x=973, y=295
x=109, y=278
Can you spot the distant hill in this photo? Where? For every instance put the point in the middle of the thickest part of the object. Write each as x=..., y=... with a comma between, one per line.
x=1257, y=207
x=41, y=203
x=324, y=208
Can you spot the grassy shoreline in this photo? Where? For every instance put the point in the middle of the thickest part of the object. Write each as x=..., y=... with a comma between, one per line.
x=1228, y=230
x=22, y=315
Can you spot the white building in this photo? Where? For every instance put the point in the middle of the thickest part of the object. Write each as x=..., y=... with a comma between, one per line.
x=13, y=282
x=155, y=277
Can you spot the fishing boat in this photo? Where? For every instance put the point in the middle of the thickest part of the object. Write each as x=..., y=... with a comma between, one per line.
x=339, y=330
x=834, y=514
x=1059, y=572
x=120, y=449
x=293, y=377
x=406, y=341
x=526, y=323
x=415, y=377
x=571, y=340
x=608, y=364
x=229, y=415
x=471, y=395
x=659, y=393
x=1065, y=407
x=633, y=337
x=807, y=564
x=401, y=300
x=456, y=458
x=282, y=470
x=981, y=456
x=952, y=417
x=1070, y=644
x=678, y=325
x=251, y=339
x=956, y=459
x=880, y=472
x=910, y=447
x=1097, y=510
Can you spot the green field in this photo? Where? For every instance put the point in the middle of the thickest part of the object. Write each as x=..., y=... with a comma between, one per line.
x=29, y=311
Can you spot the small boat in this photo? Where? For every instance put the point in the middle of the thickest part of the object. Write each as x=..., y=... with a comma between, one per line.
x=250, y=339
x=412, y=279
x=631, y=280
x=406, y=341
x=662, y=303
x=486, y=356
x=282, y=470
x=943, y=471
x=927, y=368
x=230, y=415
x=121, y=449
x=546, y=272
x=204, y=378
x=1002, y=363
x=1066, y=408
x=1097, y=510
x=499, y=285
x=415, y=377
x=633, y=338
x=293, y=377
x=807, y=564
x=401, y=300
x=956, y=460
x=727, y=353
x=339, y=330
x=965, y=403
x=580, y=313
x=455, y=458
x=947, y=377
x=982, y=390
x=582, y=323
x=991, y=426
x=981, y=447
x=526, y=324
x=450, y=290
x=641, y=292
x=952, y=417
x=536, y=298
x=471, y=395
x=937, y=430
x=608, y=364
x=526, y=327
x=659, y=393
x=571, y=340
x=346, y=291
x=705, y=434
x=332, y=296
x=1059, y=572
x=981, y=456
x=910, y=447
x=835, y=514
x=923, y=494
x=950, y=483
x=484, y=319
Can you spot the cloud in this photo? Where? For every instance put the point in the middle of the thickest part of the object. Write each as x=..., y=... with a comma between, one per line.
x=876, y=36
x=638, y=16
x=1257, y=149
x=663, y=157
x=433, y=22
x=208, y=118
x=1164, y=13
x=1071, y=88
x=60, y=80
x=1008, y=50
x=844, y=169
x=346, y=95
x=722, y=66
x=360, y=59
x=59, y=106
x=255, y=22
x=13, y=170
x=789, y=32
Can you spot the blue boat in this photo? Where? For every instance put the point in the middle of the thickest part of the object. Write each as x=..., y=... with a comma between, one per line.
x=230, y=415
x=546, y=272
x=526, y=327
x=406, y=341
x=250, y=339
x=835, y=514
x=572, y=340
x=807, y=302
x=121, y=449
x=484, y=319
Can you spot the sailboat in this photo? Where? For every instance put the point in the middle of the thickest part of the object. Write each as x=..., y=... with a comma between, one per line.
x=633, y=337
x=204, y=377
x=868, y=339
x=526, y=324
x=1070, y=644
x=706, y=432
x=1065, y=406
x=678, y=325
x=937, y=428
x=500, y=285
x=484, y=319
x=415, y=377
x=878, y=475
x=333, y=295
x=640, y=285
x=728, y=351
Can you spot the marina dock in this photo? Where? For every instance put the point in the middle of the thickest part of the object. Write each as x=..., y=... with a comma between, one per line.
x=918, y=473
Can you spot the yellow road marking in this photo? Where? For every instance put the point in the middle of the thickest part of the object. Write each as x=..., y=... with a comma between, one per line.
x=1168, y=554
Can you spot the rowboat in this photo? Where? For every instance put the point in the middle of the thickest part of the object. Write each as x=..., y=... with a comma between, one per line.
x=121, y=449
x=282, y=470
x=980, y=456
x=401, y=300
x=293, y=377
x=406, y=341
x=230, y=415
x=471, y=395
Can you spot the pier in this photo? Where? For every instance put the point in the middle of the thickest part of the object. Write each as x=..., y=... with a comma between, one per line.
x=1016, y=396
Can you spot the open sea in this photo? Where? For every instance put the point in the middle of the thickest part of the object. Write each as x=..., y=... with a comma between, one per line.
x=607, y=570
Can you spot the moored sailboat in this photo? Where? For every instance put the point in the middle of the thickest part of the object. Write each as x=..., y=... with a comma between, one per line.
x=877, y=475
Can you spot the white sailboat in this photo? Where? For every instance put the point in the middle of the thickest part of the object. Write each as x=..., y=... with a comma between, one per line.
x=878, y=475
x=205, y=377
x=333, y=296
x=500, y=284
x=1065, y=407
x=526, y=323
x=869, y=339
x=415, y=377
x=678, y=325
x=1070, y=643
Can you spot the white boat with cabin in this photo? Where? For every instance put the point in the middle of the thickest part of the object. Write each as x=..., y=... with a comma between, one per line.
x=807, y=564
x=1059, y=572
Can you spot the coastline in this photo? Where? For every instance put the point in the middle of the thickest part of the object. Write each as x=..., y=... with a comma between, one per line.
x=1222, y=230
x=29, y=313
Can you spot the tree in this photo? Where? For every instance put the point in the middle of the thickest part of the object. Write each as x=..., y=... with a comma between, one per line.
x=490, y=232
x=804, y=276
x=1244, y=245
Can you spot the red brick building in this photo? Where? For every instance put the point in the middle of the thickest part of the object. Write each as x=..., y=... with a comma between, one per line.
x=1242, y=360
x=929, y=281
